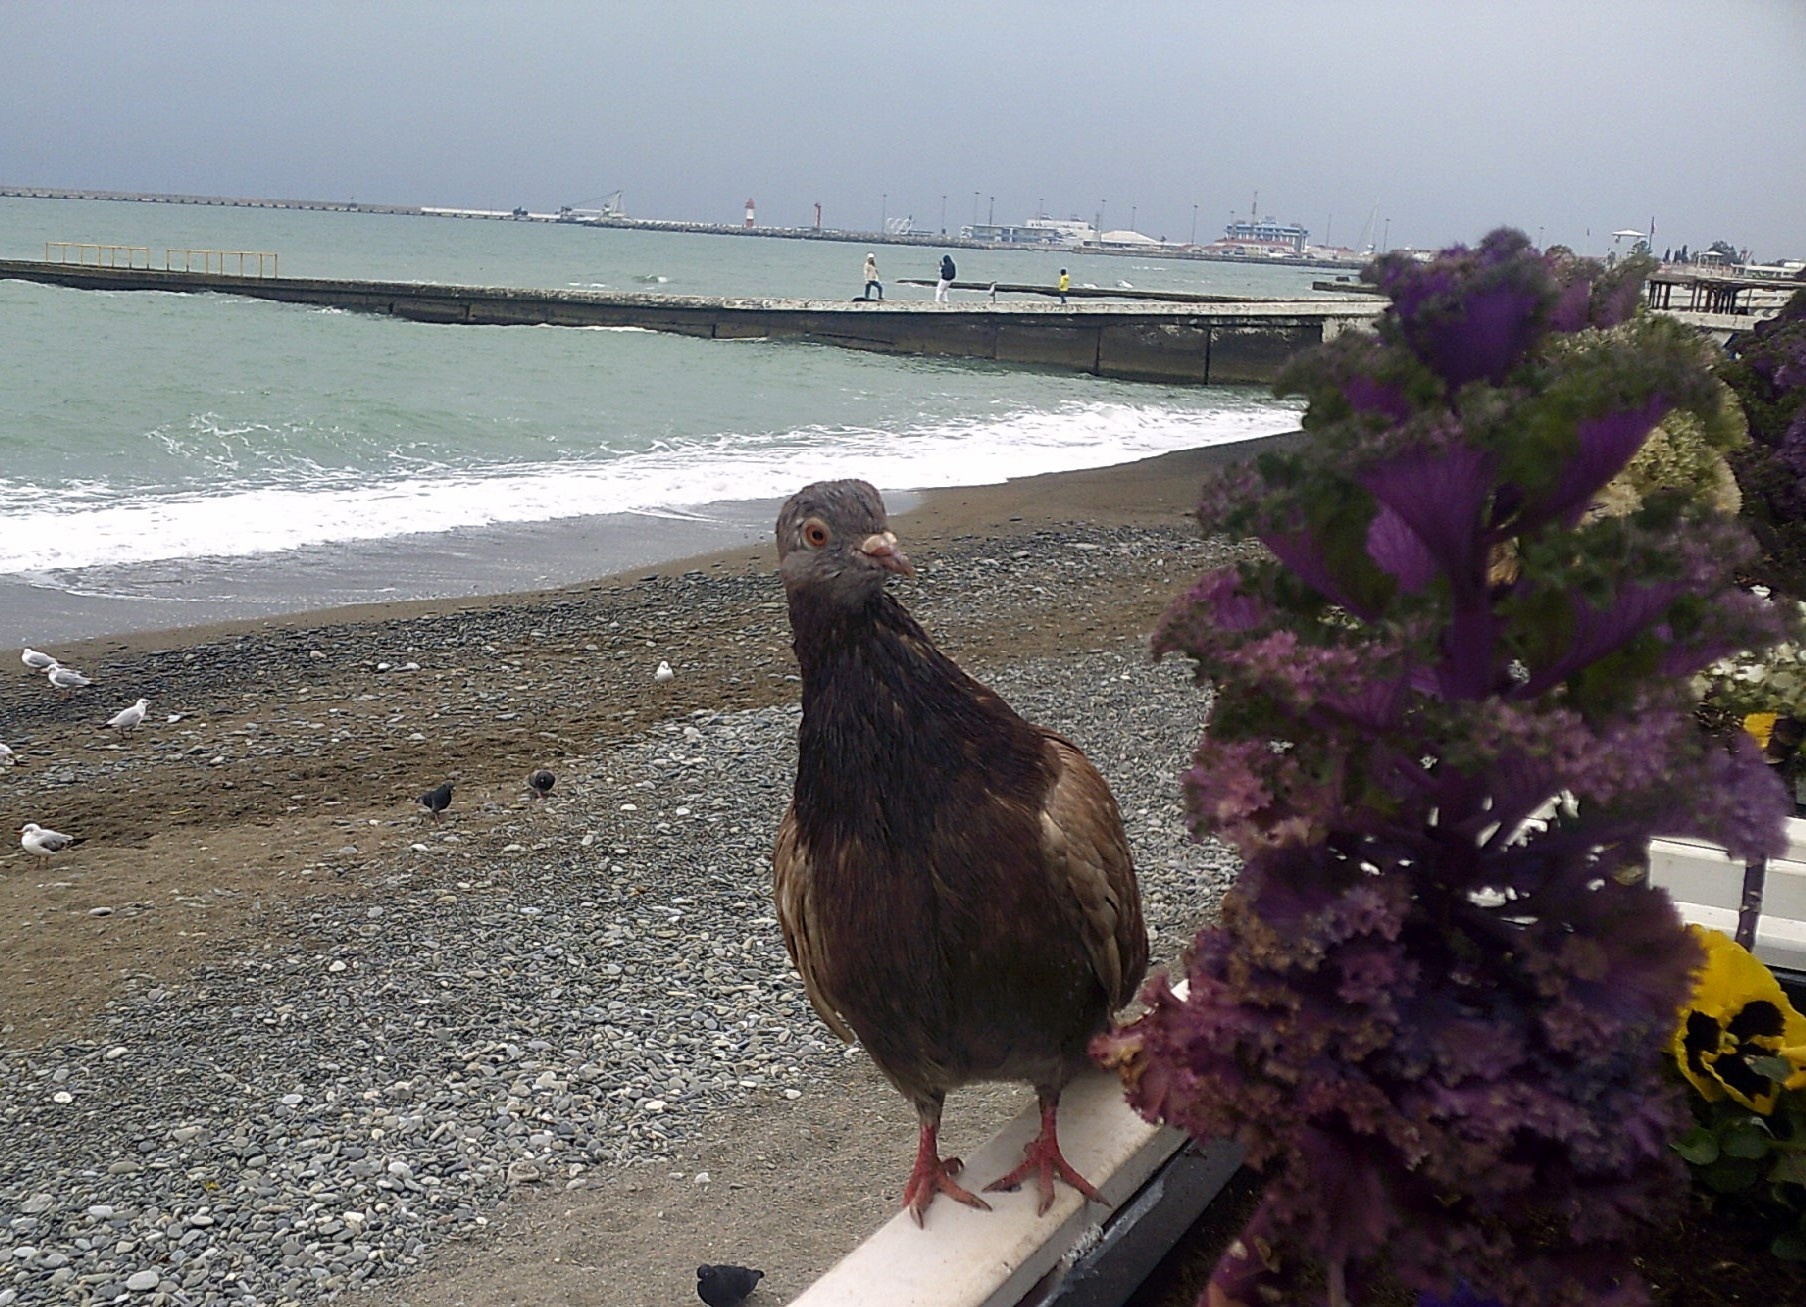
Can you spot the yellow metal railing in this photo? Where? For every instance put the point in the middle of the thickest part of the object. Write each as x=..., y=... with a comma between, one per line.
x=98, y=256
x=243, y=263
x=250, y=263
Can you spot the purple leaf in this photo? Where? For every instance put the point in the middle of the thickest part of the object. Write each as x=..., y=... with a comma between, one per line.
x=1607, y=443
x=1597, y=633
x=1399, y=550
x=1439, y=496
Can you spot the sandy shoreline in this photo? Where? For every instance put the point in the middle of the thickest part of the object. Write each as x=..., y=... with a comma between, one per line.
x=260, y=910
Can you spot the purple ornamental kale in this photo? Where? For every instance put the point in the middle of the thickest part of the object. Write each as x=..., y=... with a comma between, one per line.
x=1767, y=371
x=1449, y=713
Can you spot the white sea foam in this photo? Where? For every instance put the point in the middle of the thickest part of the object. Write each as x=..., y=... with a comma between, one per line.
x=43, y=532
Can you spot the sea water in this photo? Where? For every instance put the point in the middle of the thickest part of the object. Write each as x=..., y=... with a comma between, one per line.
x=245, y=456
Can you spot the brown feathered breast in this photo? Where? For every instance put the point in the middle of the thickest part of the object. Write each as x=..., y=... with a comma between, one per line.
x=953, y=883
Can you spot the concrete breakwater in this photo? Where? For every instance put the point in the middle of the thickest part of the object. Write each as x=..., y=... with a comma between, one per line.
x=1239, y=343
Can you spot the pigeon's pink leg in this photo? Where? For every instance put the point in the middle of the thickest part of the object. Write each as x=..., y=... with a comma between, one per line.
x=932, y=1173
x=1043, y=1159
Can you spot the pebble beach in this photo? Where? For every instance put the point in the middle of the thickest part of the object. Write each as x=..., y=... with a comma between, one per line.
x=271, y=1034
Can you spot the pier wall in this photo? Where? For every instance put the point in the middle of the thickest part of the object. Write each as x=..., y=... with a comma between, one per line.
x=1225, y=344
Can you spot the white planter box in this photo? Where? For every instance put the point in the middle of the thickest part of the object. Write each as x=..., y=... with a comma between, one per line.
x=1706, y=886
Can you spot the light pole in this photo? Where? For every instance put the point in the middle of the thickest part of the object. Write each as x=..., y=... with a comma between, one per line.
x=991, y=213
x=943, y=215
x=1386, y=236
x=883, y=210
x=1100, y=218
x=1131, y=217
x=975, y=208
x=1194, y=225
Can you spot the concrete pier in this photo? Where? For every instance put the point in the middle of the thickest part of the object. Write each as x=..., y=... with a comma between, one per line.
x=1241, y=343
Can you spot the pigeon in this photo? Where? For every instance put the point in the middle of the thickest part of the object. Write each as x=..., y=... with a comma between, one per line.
x=726, y=1286
x=540, y=782
x=33, y=838
x=66, y=678
x=953, y=883
x=437, y=801
x=664, y=672
x=126, y=718
x=35, y=660
x=7, y=756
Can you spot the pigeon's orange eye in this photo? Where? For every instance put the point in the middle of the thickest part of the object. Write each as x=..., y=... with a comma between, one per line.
x=815, y=534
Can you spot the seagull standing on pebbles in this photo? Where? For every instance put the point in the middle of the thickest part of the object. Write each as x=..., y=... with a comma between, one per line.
x=65, y=678
x=664, y=672
x=7, y=756
x=33, y=838
x=35, y=660
x=540, y=782
x=126, y=718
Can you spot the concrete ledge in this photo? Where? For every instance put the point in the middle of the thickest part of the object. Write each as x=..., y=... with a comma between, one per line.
x=969, y=1258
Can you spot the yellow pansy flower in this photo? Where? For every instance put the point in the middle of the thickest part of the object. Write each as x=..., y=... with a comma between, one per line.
x=1737, y=1012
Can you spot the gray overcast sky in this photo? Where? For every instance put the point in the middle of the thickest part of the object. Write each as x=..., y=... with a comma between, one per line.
x=1436, y=119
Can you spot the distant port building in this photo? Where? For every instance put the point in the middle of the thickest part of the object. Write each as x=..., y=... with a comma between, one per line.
x=1036, y=231
x=1266, y=236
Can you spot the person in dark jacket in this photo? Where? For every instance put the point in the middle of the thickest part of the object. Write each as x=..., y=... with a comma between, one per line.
x=947, y=275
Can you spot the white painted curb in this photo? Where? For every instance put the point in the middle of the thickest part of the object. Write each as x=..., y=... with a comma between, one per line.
x=968, y=1258
x=1706, y=885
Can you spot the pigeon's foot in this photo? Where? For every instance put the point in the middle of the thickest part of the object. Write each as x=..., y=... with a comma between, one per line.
x=933, y=1174
x=1043, y=1160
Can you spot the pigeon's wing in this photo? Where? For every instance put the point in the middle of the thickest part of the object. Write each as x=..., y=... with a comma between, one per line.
x=790, y=885
x=1085, y=849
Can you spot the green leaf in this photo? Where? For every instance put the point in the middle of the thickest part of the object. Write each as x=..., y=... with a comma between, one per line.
x=1790, y=1245
x=1698, y=1146
x=1746, y=1140
x=1788, y=1168
x=1776, y=1069
x=1731, y=1175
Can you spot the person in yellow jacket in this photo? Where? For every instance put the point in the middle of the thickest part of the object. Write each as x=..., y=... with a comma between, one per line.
x=1065, y=284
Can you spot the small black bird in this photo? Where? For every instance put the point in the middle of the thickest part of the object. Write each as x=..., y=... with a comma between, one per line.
x=437, y=801
x=541, y=782
x=726, y=1286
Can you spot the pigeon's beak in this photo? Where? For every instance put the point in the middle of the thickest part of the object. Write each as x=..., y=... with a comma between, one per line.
x=882, y=549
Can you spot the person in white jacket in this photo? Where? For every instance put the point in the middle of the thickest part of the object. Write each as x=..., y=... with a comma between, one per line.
x=871, y=278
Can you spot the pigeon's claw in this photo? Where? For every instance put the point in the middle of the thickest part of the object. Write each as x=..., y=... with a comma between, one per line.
x=933, y=1174
x=1043, y=1160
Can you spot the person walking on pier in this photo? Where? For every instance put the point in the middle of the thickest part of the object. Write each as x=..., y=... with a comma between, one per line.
x=1065, y=284
x=871, y=278
x=947, y=275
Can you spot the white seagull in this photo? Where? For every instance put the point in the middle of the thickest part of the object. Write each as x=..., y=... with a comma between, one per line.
x=664, y=672
x=33, y=838
x=65, y=678
x=7, y=756
x=35, y=660
x=126, y=718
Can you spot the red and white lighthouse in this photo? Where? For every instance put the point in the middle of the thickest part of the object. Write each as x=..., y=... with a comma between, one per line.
x=751, y=215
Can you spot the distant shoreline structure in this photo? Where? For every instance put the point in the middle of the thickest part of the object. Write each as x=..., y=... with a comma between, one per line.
x=570, y=217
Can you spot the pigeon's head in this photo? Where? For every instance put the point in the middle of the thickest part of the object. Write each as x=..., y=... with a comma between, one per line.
x=834, y=543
